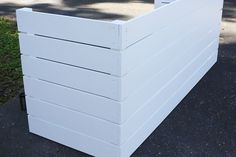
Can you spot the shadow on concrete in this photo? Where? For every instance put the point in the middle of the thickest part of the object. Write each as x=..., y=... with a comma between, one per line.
x=229, y=12
x=227, y=52
x=10, y=8
x=72, y=3
x=75, y=9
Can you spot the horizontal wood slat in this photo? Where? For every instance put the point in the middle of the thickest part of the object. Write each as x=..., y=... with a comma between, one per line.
x=81, y=55
x=76, y=121
x=88, y=31
x=90, y=104
x=77, y=78
x=72, y=139
x=143, y=26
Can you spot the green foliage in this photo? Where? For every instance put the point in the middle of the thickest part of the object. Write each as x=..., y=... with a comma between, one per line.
x=10, y=66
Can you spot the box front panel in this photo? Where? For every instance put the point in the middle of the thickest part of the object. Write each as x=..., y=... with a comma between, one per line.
x=73, y=77
x=73, y=99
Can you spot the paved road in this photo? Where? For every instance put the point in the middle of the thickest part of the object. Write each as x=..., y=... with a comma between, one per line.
x=203, y=124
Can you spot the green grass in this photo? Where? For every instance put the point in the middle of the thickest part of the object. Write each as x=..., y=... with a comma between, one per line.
x=10, y=66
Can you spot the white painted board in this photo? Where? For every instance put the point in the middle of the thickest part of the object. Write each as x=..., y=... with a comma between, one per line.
x=80, y=55
x=77, y=78
x=88, y=31
x=145, y=25
x=74, y=120
x=72, y=139
x=76, y=100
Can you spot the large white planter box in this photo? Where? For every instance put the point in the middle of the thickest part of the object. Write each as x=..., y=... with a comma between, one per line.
x=103, y=87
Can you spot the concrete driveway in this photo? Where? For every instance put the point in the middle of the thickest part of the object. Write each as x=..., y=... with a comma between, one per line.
x=95, y=9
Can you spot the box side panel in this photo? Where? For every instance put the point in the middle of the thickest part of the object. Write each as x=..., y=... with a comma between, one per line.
x=187, y=82
x=164, y=92
x=157, y=63
x=155, y=43
x=143, y=26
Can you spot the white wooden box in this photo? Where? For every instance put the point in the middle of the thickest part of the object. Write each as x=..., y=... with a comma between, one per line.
x=103, y=87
